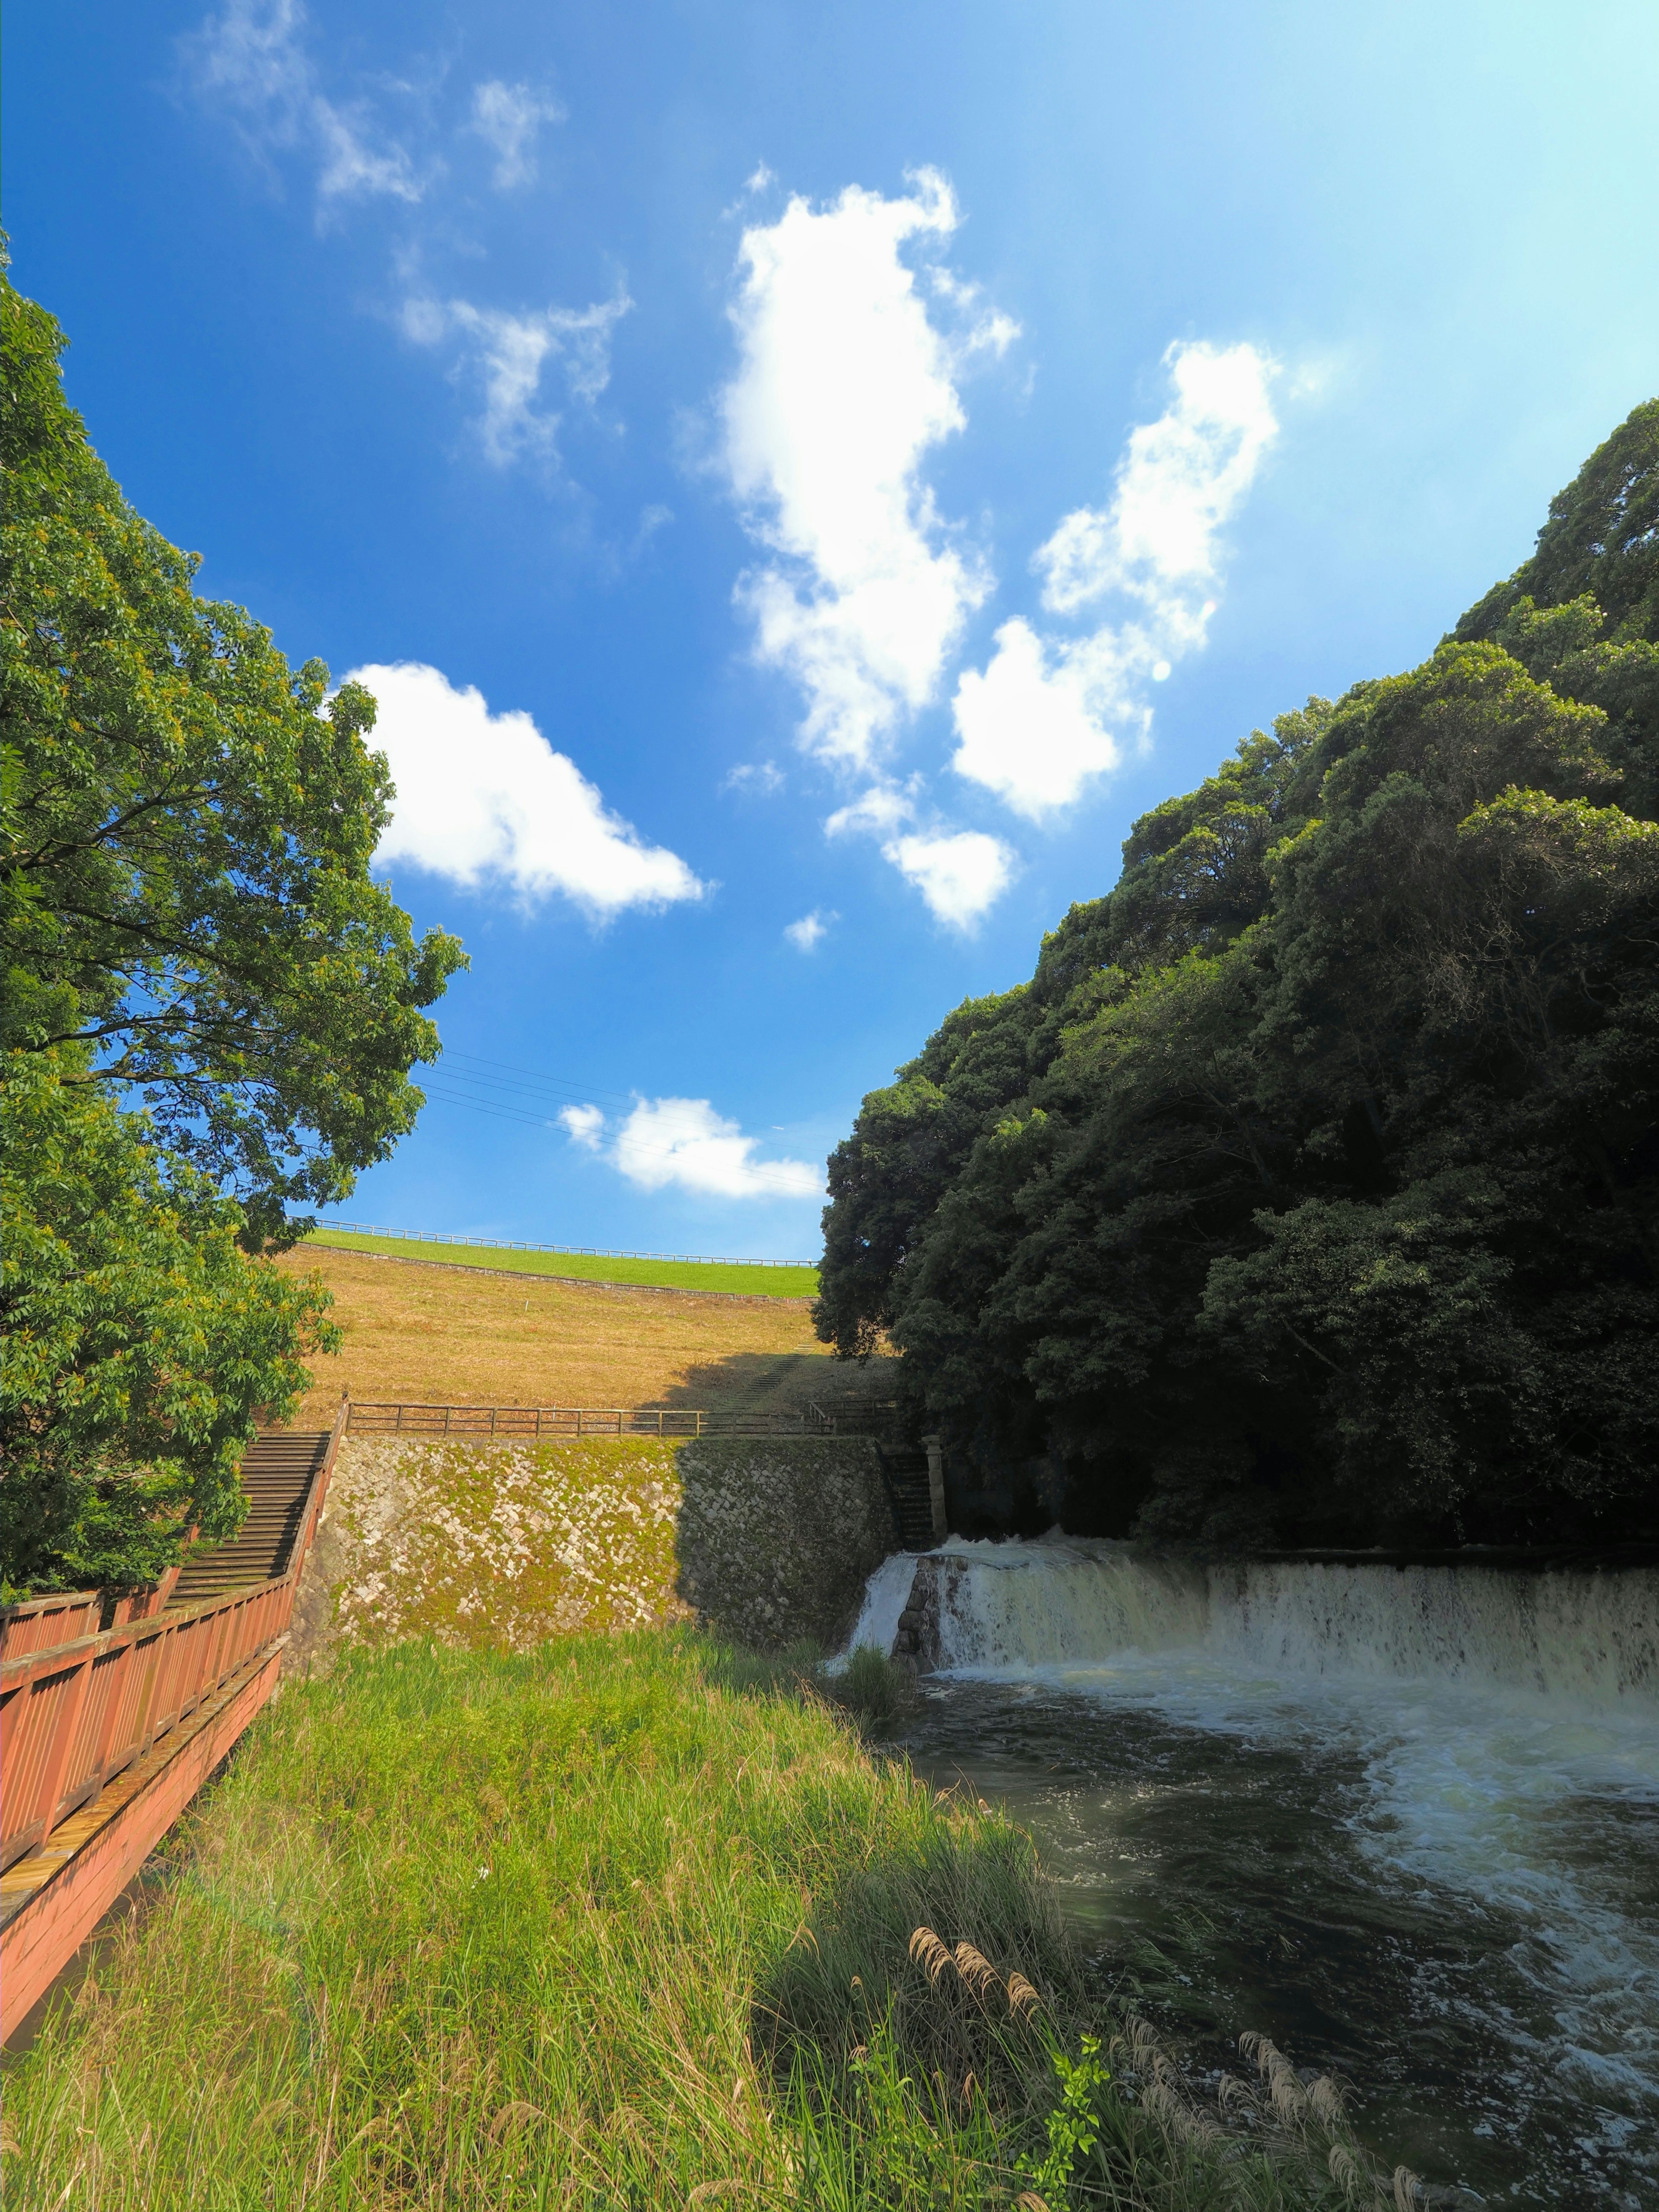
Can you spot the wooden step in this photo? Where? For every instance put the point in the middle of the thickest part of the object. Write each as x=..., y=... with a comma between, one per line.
x=277, y=1476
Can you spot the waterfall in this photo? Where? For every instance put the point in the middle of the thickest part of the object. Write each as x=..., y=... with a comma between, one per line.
x=1467, y=1752
x=1584, y=1636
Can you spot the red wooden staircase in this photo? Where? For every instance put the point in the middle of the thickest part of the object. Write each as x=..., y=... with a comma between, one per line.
x=114, y=1711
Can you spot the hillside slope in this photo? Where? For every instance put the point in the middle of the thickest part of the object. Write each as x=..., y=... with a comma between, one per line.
x=443, y=1336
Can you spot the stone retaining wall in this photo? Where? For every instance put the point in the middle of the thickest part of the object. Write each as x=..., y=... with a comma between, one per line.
x=767, y=1539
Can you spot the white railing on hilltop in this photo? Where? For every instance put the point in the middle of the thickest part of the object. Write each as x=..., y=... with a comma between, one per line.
x=571, y=1251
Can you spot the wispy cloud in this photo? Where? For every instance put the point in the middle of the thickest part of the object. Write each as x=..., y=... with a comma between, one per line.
x=503, y=357
x=251, y=64
x=483, y=799
x=684, y=1142
x=765, y=778
x=1049, y=712
x=508, y=117
x=844, y=384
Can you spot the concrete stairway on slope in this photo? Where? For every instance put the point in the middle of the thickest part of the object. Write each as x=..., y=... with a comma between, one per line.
x=277, y=1474
x=906, y=1474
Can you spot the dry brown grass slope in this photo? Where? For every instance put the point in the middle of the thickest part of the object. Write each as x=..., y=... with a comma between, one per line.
x=446, y=1337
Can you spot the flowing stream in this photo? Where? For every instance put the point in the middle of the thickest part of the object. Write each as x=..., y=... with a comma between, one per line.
x=1405, y=1819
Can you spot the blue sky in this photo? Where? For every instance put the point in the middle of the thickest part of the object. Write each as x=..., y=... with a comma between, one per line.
x=811, y=477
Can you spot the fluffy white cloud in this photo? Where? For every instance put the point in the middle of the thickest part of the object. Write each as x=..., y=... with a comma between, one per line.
x=961, y=874
x=1180, y=479
x=1046, y=714
x=585, y=1125
x=1032, y=726
x=505, y=355
x=810, y=931
x=843, y=385
x=507, y=118
x=685, y=1142
x=483, y=797
x=251, y=64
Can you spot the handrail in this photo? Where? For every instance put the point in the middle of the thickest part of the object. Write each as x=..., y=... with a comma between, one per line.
x=77, y=1711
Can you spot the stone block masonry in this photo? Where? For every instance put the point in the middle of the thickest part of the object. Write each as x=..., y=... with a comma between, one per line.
x=766, y=1539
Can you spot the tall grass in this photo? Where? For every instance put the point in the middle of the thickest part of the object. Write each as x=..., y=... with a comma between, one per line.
x=624, y=1921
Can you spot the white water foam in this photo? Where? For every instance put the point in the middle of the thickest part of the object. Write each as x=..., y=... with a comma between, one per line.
x=885, y=1595
x=1506, y=1725
x=1586, y=1639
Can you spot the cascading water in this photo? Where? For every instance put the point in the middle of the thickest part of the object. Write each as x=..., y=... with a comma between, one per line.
x=1405, y=1819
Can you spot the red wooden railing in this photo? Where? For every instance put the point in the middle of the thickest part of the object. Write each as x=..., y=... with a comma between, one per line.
x=88, y=1687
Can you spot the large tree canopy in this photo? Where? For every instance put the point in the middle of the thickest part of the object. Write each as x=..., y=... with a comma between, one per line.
x=1310, y=1189
x=211, y=1009
x=186, y=840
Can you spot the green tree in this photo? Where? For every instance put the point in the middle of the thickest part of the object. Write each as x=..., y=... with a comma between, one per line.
x=1325, y=1203
x=184, y=884
x=140, y=1340
x=210, y=1010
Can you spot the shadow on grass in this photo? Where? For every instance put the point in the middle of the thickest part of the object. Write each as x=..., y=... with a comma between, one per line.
x=777, y=1382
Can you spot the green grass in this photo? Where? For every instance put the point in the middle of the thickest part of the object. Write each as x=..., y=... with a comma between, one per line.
x=625, y=1923
x=755, y=1281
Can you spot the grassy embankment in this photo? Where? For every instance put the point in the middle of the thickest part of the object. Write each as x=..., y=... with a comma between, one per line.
x=624, y=1921
x=724, y=1276
x=429, y=1334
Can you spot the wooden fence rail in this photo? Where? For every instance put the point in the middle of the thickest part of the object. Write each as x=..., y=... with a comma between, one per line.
x=412, y=1420
x=76, y=1714
x=87, y=1687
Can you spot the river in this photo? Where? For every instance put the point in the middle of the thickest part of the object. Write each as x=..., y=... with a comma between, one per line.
x=1406, y=1820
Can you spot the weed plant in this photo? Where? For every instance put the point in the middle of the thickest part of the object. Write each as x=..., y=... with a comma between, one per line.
x=626, y=1921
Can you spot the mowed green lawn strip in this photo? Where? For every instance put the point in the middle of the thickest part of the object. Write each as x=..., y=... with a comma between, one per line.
x=579, y=1266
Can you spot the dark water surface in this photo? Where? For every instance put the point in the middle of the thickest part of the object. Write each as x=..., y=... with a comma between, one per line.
x=1445, y=1895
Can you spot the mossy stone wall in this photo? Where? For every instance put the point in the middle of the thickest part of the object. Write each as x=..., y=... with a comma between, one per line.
x=769, y=1539
x=777, y=1534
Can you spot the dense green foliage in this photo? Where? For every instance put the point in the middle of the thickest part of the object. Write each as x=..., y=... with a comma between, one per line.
x=138, y=1339
x=625, y=1921
x=187, y=926
x=1309, y=1191
x=185, y=887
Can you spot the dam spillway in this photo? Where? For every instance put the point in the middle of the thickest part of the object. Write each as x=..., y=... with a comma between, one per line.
x=1403, y=1818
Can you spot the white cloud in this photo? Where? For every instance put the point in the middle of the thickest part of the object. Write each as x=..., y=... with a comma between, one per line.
x=810, y=931
x=1046, y=714
x=250, y=63
x=843, y=387
x=884, y=807
x=1181, y=478
x=1033, y=728
x=765, y=777
x=585, y=1125
x=961, y=874
x=506, y=354
x=507, y=117
x=684, y=1141
x=484, y=797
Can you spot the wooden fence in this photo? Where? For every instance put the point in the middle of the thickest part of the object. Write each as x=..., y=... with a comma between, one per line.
x=86, y=1710
x=411, y=1420
x=90, y=1689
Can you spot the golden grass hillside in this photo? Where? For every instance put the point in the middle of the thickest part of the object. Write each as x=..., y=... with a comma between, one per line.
x=447, y=1337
